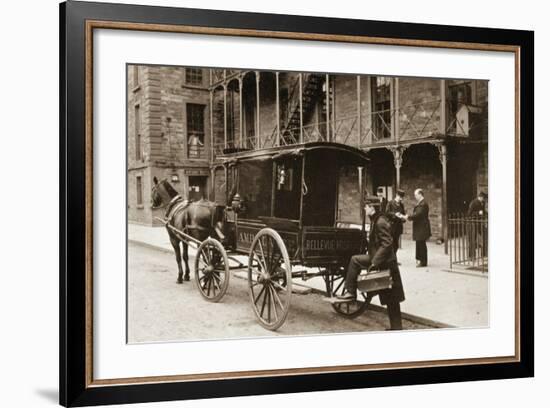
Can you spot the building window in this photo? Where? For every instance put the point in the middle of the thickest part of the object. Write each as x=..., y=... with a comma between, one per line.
x=137, y=132
x=195, y=130
x=135, y=75
x=381, y=107
x=139, y=191
x=193, y=76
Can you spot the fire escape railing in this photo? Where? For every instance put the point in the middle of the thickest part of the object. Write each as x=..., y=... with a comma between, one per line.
x=409, y=122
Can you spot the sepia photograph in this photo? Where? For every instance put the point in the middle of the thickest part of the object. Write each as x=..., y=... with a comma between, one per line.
x=284, y=203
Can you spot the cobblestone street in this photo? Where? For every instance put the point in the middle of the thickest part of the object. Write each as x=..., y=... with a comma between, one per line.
x=161, y=310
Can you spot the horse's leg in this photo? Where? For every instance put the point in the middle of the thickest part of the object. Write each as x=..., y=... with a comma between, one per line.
x=186, y=260
x=176, y=245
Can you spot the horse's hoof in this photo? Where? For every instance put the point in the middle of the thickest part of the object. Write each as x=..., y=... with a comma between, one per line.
x=179, y=281
x=186, y=278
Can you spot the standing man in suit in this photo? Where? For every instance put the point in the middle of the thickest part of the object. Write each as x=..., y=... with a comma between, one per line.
x=421, y=227
x=383, y=200
x=395, y=212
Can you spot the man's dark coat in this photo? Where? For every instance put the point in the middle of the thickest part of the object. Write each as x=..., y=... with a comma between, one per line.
x=380, y=241
x=382, y=255
x=421, y=221
x=393, y=208
x=477, y=208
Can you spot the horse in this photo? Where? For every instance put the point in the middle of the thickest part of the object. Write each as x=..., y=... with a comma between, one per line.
x=199, y=219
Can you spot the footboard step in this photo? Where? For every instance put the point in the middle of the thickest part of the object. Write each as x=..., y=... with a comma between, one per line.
x=334, y=300
x=300, y=290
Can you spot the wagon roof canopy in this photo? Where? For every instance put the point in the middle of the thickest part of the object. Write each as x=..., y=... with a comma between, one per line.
x=353, y=154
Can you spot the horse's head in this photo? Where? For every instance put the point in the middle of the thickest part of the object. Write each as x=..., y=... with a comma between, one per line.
x=161, y=193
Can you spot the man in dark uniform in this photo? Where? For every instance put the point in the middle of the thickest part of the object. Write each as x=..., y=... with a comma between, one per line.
x=380, y=256
x=394, y=211
x=421, y=227
x=477, y=206
x=477, y=236
x=383, y=200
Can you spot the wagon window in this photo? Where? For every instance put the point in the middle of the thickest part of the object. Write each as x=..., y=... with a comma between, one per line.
x=255, y=188
x=285, y=176
x=287, y=188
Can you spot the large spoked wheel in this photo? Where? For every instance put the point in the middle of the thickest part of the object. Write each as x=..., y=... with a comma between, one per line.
x=212, y=270
x=269, y=278
x=350, y=310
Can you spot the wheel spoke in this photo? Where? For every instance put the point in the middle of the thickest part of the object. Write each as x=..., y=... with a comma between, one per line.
x=259, y=294
x=278, y=298
x=215, y=282
x=206, y=256
x=209, y=286
x=263, y=303
x=268, y=301
x=263, y=256
x=205, y=284
x=273, y=248
x=272, y=293
x=279, y=286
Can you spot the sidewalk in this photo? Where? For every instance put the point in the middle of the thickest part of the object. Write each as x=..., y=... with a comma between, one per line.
x=432, y=293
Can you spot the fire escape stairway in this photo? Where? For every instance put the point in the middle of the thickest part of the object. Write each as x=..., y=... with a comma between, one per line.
x=312, y=87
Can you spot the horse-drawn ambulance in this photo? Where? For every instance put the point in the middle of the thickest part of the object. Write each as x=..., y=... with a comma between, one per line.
x=283, y=212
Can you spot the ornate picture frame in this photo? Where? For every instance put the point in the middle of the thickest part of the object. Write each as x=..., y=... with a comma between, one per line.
x=78, y=23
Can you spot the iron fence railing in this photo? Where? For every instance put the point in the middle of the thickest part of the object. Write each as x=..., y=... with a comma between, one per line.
x=467, y=242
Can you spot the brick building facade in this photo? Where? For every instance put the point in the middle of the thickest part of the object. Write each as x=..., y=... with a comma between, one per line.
x=168, y=128
x=418, y=132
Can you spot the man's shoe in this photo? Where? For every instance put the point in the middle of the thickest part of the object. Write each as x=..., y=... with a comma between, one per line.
x=421, y=265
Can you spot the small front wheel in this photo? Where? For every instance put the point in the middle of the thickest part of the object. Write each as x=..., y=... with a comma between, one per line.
x=212, y=270
x=351, y=310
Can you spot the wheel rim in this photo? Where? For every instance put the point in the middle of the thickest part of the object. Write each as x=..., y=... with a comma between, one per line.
x=269, y=279
x=211, y=270
x=348, y=309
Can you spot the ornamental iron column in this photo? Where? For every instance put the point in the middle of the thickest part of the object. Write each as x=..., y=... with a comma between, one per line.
x=212, y=124
x=225, y=116
x=277, y=108
x=443, y=108
x=358, y=111
x=240, y=111
x=301, y=110
x=443, y=159
x=398, y=162
x=327, y=103
x=257, y=109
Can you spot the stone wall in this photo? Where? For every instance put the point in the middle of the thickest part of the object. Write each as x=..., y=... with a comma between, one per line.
x=419, y=108
x=346, y=125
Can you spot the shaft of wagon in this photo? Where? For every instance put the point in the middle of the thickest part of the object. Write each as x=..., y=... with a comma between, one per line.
x=182, y=234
